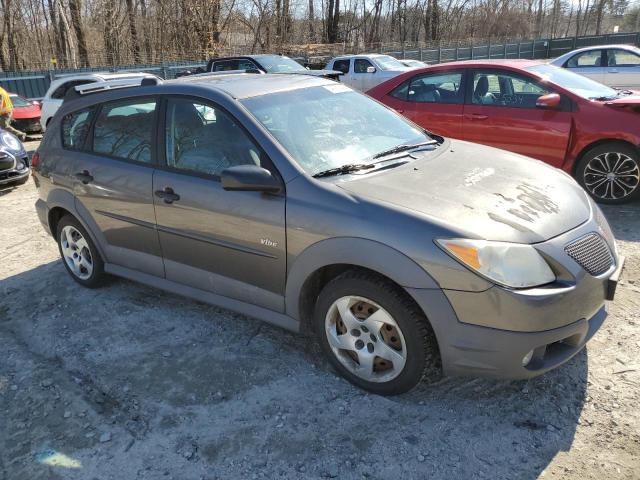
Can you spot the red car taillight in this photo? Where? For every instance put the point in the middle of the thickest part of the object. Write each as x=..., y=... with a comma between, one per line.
x=35, y=161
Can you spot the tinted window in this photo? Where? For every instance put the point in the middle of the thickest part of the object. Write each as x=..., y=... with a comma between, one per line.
x=436, y=88
x=125, y=130
x=246, y=65
x=400, y=92
x=592, y=58
x=360, y=65
x=75, y=128
x=204, y=139
x=622, y=58
x=341, y=66
x=18, y=101
x=225, y=65
x=61, y=91
x=506, y=89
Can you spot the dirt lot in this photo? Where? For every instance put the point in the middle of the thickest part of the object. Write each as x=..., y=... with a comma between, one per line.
x=129, y=382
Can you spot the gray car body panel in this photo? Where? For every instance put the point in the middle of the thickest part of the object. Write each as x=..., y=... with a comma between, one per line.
x=385, y=221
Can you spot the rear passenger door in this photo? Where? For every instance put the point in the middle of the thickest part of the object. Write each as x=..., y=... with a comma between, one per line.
x=113, y=179
x=227, y=242
x=434, y=101
x=623, y=69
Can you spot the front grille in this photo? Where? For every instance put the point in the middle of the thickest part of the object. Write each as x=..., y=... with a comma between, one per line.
x=591, y=253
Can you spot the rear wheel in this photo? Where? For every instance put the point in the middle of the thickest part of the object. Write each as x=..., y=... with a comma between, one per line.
x=374, y=334
x=610, y=173
x=79, y=254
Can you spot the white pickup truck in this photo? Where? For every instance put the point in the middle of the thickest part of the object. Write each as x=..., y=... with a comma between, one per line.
x=363, y=72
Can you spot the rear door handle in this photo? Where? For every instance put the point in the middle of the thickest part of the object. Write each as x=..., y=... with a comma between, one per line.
x=478, y=116
x=84, y=176
x=168, y=195
x=613, y=70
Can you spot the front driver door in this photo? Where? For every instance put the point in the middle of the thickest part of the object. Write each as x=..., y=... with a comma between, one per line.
x=500, y=111
x=226, y=242
x=589, y=63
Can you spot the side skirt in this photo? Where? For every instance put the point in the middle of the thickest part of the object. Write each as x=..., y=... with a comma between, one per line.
x=269, y=316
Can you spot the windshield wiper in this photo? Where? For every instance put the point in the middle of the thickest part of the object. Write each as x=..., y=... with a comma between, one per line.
x=402, y=148
x=344, y=169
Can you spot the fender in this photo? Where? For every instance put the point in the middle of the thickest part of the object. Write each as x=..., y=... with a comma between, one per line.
x=353, y=251
x=65, y=199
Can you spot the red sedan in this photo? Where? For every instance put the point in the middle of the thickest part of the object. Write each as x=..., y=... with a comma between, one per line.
x=588, y=129
x=26, y=114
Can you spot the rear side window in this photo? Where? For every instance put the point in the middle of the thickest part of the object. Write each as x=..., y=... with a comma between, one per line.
x=61, y=91
x=75, y=128
x=125, y=130
x=437, y=88
x=341, y=66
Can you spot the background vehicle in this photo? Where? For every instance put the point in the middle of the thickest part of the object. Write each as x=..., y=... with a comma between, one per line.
x=267, y=64
x=26, y=114
x=14, y=161
x=407, y=62
x=363, y=72
x=58, y=89
x=302, y=202
x=615, y=65
x=535, y=109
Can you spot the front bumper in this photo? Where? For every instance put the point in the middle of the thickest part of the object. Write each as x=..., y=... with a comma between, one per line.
x=17, y=172
x=27, y=125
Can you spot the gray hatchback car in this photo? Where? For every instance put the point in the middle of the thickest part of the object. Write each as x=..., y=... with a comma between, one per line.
x=313, y=207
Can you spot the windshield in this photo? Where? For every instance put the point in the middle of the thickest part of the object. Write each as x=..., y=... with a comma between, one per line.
x=278, y=64
x=330, y=126
x=17, y=101
x=573, y=82
x=386, y=62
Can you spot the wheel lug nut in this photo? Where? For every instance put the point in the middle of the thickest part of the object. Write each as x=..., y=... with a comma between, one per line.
x=373, y=338
x=364, y=329
x=359, y=344
x=370, y=347
x=355, y=332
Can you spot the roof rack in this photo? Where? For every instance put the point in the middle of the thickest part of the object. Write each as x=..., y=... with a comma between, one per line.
x=95, y=87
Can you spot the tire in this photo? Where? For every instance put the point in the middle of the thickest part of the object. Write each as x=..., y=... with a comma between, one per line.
x=621, y=162
x=79, y=254
x=355, y=307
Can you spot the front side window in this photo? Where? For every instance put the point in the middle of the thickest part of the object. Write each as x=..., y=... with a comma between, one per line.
x=506, y=89
x=125, y=130
x=591, y=58
x=622, y=58
x=436, y=88
x=329, y=126
x=203, y=139
x=360, y=65
x=75, y=128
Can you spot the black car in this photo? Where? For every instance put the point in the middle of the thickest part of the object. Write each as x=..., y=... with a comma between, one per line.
x=14, y=161
x=265, y=63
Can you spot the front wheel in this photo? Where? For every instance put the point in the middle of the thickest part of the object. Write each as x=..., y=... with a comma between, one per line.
x=374, y=335
x=610, y=173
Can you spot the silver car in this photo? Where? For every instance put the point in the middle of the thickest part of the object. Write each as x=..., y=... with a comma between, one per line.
x=615, y=65
x=301, y=202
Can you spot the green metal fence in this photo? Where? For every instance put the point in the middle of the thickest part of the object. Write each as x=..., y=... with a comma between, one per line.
x=34, y=84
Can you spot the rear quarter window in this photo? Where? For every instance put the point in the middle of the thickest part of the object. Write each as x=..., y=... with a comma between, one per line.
x=75, y=128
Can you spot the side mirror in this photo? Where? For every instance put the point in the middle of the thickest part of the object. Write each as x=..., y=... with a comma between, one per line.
x=551, y=101
x=371, y=69
x=249, y=178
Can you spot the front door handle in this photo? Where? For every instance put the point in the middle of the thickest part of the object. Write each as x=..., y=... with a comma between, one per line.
x=478, y=116
x=613, y=70
x=84, y=176
x=168, y=195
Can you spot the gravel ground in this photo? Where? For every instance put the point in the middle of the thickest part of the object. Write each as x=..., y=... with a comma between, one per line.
x=128, y=382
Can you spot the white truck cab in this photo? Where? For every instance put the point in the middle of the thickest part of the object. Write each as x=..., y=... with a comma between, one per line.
x=363, y=72
x=59, y=87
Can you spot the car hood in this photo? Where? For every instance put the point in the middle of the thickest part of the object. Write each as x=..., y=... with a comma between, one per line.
x=632, y=101
x=32, y=111
x=481, y=192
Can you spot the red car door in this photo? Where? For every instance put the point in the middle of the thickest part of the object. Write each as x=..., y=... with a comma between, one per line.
x=501, y=111
x=434, y=101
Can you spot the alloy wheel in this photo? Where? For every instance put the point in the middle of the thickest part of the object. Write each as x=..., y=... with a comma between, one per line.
x=76, y=252
x=612, y=176
x=366, y=339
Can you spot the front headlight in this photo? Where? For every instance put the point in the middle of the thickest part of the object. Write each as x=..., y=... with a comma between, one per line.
x=10, y=141
x=509, y=264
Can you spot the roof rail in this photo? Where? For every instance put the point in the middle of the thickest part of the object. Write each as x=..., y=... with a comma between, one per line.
x=224, y=72
x=95, y=87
